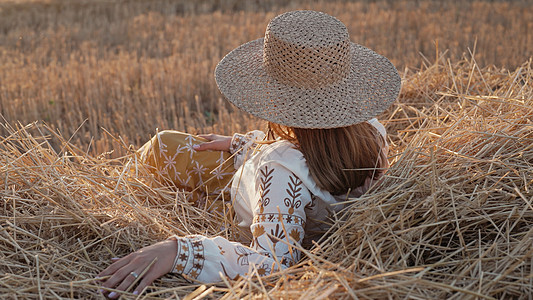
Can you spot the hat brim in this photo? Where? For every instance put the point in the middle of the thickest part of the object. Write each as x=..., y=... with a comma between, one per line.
x=370, y=88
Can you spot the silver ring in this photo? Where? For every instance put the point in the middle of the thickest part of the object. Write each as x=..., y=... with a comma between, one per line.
x=134, y=274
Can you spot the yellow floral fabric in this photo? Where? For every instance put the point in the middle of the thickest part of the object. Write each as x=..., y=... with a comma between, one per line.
x=172, y=159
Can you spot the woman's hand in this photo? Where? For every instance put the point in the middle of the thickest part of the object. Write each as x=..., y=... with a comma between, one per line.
x=216, y=142
x=157, y=258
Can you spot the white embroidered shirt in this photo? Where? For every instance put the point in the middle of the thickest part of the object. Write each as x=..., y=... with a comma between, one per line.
x=277, y=204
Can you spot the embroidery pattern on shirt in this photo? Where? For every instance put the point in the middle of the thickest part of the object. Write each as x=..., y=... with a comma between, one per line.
x=264, y=187
x=248, y=140
x=226, y=273
x=275, y=218
x=242, y=255
x=181, y=256
x=294, y=192
x=286, y=226
x=264, y=269
x=237, y=142
x=276, y=235
x=295, y=235
x=258, y=231
x=243, y=146
x=287, y=262
x=198, y=257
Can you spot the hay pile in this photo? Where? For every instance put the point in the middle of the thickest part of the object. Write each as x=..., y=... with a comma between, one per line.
x=453, y=219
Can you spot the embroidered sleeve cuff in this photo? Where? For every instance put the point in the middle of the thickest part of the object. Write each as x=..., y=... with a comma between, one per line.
x=190, y=257
x=243, y=145
x=183, y=257
x=237, y=142
x=245, y=141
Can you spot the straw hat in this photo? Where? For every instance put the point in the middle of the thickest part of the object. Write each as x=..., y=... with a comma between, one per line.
x=307, y=73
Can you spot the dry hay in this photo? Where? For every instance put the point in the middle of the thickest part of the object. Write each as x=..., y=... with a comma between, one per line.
x=453, y=218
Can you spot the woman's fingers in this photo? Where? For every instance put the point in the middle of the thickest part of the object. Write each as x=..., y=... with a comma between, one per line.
x=208, y=137
x=117, y=264
x=149, y=262
x=146, y=281
x=216, y=143
x=118, y=276
x=213, y=145
x=130, y=278
x=124, y=277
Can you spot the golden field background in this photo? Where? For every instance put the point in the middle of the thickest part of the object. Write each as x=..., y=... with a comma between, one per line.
x=133, y=66
x=453, y=218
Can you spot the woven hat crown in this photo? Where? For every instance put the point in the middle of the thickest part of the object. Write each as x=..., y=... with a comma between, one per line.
x=307, y=49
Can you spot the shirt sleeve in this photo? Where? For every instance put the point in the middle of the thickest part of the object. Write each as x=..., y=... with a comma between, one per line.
x=278, y=224
x=243, y=145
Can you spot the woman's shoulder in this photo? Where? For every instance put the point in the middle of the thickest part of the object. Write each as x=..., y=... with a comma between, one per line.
x=286, y=155
x=282, y=151
x=380, y=128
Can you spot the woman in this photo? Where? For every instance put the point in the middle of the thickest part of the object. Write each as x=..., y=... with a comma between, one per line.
x=320, y=93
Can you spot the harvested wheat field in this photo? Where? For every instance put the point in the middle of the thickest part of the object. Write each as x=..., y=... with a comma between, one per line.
x=453, y=218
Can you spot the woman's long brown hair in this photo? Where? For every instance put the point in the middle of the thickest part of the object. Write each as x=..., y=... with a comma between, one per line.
x=339, y=159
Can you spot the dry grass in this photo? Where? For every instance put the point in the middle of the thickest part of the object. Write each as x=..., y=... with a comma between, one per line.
x=453, y=218
x=133, y=66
